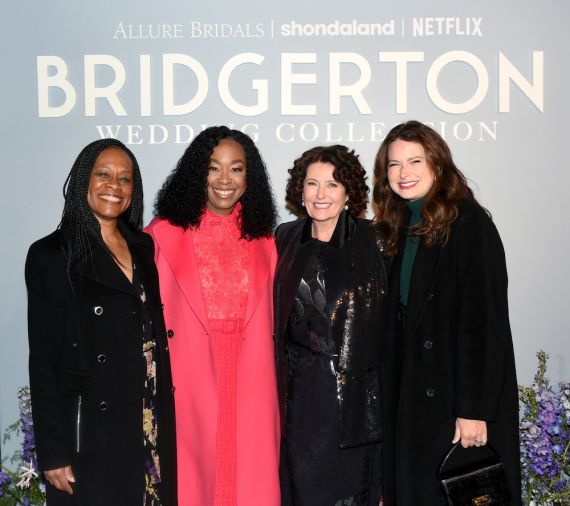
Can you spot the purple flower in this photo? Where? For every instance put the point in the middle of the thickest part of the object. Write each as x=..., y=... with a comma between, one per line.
x=545, y=438
x=27, y=427
x=5, y=480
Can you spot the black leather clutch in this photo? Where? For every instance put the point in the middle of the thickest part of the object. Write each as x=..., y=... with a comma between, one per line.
x=482, y=483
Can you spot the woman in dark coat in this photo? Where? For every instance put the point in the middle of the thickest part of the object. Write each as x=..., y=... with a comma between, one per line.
x=455, y=380
x=329, y=291
x=102, y=400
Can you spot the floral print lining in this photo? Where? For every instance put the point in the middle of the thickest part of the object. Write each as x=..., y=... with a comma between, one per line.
x=150, y=426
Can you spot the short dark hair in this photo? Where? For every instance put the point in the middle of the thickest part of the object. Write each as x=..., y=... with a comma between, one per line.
x=183, y=196
x=347, y=170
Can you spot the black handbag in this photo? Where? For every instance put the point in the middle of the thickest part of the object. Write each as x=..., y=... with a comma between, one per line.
x=482, y=483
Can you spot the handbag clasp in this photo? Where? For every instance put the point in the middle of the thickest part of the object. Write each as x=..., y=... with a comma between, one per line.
x=481, y=500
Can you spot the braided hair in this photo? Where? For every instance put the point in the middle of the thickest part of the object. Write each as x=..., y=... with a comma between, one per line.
x=78, y=223
x=183, y=196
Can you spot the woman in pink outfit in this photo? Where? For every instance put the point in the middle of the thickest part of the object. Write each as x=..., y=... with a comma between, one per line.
x=216, y=259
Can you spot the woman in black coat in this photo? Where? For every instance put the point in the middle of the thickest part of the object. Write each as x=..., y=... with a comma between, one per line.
x=102, y=401
x=329, y=291
x=453, y=378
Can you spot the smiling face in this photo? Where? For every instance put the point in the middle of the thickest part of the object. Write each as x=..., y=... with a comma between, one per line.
x=409, y=173
x=226, y=182
x=111, y=184
x=324, y=196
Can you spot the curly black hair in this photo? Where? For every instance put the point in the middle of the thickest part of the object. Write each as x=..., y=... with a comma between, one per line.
x=78, y=223
x=182, y=198
x=347, y=170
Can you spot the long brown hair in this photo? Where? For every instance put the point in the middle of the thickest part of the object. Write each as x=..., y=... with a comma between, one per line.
x=441, y=202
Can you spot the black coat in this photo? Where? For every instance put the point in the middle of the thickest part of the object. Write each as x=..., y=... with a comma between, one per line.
x=87, y=372
x=356, y=281
x=456, y=359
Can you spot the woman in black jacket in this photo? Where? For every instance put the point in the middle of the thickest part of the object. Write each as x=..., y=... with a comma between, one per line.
x=102, y=399
x=448, y=286
x=329, y=291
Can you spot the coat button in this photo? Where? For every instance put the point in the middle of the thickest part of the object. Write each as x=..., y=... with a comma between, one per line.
x=103, y=406
x=162, y=307
x=173, y=389
x=166, y=349
x=98, y=310
x=101, y=358
x=74, y=344
x=170, y=333
x=430, y=392
x=428, y=345
x=430, y=296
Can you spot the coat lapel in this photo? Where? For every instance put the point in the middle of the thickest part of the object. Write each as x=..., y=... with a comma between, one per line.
x=145, y=267
x=176, y=245
x=424, y=273
x=101, y=268
x=260, y=253
x=290, y=266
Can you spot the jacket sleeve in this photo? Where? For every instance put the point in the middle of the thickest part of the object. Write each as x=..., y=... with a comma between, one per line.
x=483, y=340
x=46, y=328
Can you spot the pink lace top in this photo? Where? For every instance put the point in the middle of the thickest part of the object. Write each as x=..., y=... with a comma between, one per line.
x=223, y=264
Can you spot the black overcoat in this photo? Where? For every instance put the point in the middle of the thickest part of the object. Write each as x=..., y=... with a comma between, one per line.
x=356, y=287
x=456, y=359
x=87, y=372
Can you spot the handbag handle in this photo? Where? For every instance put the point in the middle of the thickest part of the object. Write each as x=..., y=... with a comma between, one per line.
x=454, y=446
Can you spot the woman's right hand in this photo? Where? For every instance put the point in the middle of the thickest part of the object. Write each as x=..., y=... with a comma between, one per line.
x=470, y=432
x=61, y=478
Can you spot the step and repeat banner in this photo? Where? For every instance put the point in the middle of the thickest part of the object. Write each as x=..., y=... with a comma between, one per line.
x=491, y=77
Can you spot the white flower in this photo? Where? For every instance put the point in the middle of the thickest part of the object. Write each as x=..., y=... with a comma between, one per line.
x=27, y=474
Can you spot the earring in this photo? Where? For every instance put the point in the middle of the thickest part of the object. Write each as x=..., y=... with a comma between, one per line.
x=303, y=202
x=346, y=206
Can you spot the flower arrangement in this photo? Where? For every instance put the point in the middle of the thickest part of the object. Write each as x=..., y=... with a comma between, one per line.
x=545, y=440
x=23, y=487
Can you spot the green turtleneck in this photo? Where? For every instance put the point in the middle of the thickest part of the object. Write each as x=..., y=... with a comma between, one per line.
x=410, y=249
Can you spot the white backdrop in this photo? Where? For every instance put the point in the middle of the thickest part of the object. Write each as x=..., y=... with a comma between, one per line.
x=491, y=76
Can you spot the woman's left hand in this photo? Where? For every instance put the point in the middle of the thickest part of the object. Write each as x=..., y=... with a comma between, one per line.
x=470, y=432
